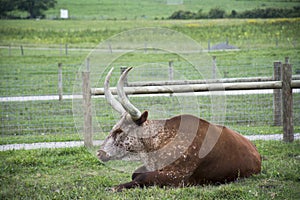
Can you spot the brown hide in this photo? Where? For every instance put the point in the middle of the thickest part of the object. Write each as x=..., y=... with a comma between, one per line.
x=216, y=155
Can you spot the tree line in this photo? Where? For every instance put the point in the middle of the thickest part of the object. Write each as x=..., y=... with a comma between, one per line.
x=217, y=13
x=34, y=8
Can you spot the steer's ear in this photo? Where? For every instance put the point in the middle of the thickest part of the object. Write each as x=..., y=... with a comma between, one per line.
x=142, y=119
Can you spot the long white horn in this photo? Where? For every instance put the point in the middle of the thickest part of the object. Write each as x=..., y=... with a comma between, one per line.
x=131, y=109
x=109, y=97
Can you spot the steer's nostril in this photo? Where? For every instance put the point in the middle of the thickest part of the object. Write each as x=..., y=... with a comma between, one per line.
x=103, y=156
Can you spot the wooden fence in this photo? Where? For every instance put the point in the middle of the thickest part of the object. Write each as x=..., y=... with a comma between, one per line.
x=282, y=83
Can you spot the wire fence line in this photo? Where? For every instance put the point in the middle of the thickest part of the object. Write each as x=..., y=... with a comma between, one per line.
x=65, y=49
x=26, y=119
x=35, y=79
x=54, y=49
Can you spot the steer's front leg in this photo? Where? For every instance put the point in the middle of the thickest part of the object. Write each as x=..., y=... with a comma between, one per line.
x=159, y=178
x=138, y=180
x=131, y=184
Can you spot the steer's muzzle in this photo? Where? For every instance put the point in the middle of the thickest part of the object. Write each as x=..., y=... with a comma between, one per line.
x=103, y=156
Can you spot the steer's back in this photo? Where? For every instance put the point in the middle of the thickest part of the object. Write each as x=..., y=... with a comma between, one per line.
x=217, y=153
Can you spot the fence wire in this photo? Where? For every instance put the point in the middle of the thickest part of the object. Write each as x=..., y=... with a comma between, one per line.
x=31, y=112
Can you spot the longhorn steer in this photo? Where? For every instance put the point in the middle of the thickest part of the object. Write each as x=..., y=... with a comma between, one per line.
x=180, y=151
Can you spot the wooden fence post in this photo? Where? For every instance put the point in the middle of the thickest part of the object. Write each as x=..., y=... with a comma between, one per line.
x=60, y=49
x=9, y=50
x=66, y=49
x=208, y=45
x=22, y=50
x=287, y=103
x=171, y=72
x=110, y=48
x=287, y=60
x=277, y=104
x=214, y=66
x=87, y=107
x=60, y=82
x=145, y=47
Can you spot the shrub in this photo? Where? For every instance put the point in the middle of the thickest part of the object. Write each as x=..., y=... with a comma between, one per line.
x=216, y=13
x=270, y=13
x=32, y=7
x=183, y=15
x=233, y=14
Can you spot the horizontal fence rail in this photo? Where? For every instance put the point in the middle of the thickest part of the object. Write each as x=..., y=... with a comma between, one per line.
x=282, y=81
x=188, y=82
x=198, y=87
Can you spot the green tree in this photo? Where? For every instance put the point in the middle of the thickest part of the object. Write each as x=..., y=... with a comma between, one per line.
x=6, y=6
x=35, y=8
x=180, y=14
x=216, y=13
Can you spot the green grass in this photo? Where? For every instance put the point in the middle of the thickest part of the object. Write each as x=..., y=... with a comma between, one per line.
x=144, y=9
x=36, y=79
x=254, y=33
x=74, y=173
x=37, y=121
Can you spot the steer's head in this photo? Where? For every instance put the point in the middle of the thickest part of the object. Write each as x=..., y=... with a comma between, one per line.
x=123, y=141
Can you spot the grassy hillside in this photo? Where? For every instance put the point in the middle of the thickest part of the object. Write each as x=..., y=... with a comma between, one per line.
x=241, y=33
x=146, y=9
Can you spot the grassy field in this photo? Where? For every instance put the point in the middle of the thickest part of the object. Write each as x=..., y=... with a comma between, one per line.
x=145, y=9
x=261, y=42
x=75, y=174
x=150, y=10
x=35, y=73
x=246, y=34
